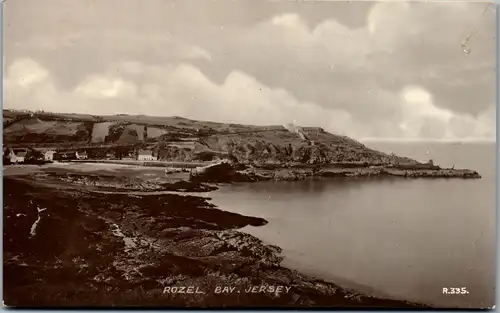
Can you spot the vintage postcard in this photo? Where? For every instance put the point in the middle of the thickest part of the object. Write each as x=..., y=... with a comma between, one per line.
x=249, y=154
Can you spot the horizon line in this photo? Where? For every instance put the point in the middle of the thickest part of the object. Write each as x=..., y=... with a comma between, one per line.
x=427, y=140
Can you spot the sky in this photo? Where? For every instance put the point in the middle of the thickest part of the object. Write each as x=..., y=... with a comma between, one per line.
x=400, y=70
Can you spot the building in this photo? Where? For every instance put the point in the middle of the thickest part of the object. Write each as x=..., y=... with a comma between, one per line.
x=82, y=155
x=20, y=155
x=17, y=155
x=45, y=154
x=145, y=155
x=49, y=155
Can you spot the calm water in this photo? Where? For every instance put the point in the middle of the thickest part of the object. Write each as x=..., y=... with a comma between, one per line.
x=404, y=239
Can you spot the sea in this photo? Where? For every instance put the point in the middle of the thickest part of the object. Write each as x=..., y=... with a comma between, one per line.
x=397, y=238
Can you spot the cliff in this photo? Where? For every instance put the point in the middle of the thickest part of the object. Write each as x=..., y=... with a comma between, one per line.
x=180, y=139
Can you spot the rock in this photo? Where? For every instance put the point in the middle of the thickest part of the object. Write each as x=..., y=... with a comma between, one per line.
x=220, y=172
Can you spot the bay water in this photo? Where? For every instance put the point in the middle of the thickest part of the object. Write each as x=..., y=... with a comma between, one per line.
x=397, y=238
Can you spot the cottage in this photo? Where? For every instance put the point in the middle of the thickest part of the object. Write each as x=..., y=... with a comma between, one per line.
x=82, y=155
x=146, y=155
x=45, y=154
x=17, y=155
x=49, y=155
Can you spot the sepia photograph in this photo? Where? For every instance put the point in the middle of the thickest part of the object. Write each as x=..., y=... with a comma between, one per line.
x=249, y=154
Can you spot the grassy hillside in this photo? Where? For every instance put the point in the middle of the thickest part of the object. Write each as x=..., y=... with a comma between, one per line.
x=177, y=138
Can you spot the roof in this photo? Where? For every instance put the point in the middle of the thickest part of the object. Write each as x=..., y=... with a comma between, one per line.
x=67, y=152
x=19, y=152
x=44, y=150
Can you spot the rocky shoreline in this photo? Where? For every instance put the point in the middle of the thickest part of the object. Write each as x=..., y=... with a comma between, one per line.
x=76, y=246
x=229, y=172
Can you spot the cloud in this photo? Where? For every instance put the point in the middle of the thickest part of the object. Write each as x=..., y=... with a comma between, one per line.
x=96, y=94
x=330, y=43
x=26, y=72
x=103, y=87
x=401, y=44
x=117, y=41
x=421, y=118
x=168, y=90
x=73, y=56
x=243, y=99
x=403, y=74
x=184, y=90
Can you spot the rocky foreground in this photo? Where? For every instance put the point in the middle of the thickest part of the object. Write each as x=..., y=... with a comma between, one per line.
x=80, y=246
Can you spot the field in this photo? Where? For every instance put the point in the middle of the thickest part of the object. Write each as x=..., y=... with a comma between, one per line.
x=247, y=143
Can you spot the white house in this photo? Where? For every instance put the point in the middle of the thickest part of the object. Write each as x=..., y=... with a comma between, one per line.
x=146, y=155
x=17, y=156
x=49, y=155
x=82, y=155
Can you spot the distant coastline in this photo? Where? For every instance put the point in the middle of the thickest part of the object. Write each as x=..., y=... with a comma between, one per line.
x=430, y=140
